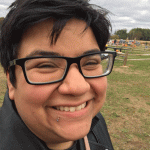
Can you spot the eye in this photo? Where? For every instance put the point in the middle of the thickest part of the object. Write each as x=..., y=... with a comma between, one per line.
x=46, y=65
x=91, y=63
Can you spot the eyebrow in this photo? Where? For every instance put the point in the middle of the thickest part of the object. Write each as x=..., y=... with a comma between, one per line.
x=91, y=51
x=50, y=53
x=43, y=53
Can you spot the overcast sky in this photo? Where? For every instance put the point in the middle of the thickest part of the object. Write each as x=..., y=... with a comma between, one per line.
x=127, y=14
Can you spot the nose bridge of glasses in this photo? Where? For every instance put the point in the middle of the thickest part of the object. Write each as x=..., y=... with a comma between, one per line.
x=75, y=61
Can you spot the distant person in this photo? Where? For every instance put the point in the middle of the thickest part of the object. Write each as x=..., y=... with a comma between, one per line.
x=146, y=45
x=115, y=42
x=53, y=54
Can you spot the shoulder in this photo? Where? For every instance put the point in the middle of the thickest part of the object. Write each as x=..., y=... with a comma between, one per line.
x=101, y=120
x=99, y=132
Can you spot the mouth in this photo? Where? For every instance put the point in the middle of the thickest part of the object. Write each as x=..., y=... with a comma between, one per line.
x=71, y=109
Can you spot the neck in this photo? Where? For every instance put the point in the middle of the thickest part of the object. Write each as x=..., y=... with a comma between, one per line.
x=60, y=146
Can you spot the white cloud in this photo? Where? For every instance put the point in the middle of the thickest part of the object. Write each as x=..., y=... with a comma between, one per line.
x=144, y=12
x=128, y=14
x=3, y=6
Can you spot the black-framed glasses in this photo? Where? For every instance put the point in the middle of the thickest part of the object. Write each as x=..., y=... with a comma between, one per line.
x=51, y=69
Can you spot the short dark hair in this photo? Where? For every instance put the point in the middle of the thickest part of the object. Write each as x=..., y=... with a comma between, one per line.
x=26, y=13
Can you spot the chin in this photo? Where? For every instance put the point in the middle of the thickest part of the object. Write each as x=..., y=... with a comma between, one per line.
x=75, y=132
x=76, y=135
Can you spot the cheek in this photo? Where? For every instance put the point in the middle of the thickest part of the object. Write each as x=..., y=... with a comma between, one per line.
x=33, y=94
x=99, y=87
x=31, y=100
x=38, y=94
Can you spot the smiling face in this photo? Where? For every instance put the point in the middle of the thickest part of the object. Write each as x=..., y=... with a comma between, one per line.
x=62, y=112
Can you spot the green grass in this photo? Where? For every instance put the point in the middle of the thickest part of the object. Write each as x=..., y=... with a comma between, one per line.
x=148, y=103
x=139, y=57
x=127, y=106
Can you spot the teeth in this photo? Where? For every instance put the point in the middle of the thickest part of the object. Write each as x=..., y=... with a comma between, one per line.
x=83, y=105
x=66, y=108
x=61, y=108
x=71, y=109
x=78, y=107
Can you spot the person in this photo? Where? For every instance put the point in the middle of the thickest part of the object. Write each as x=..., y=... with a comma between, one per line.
x=115, y=42
x=146, y=45
x=53, y=54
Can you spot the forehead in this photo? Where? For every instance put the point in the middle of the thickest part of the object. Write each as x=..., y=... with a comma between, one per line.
x=71, y=42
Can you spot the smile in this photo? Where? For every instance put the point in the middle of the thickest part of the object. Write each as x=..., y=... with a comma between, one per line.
x=71, y=109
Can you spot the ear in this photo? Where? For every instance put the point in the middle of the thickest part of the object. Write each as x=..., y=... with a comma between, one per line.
x=11, y=88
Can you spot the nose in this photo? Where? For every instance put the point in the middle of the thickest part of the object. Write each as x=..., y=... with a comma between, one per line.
x=74, y=83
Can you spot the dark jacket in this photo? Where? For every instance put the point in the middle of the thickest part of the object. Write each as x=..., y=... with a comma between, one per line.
x=14, y=134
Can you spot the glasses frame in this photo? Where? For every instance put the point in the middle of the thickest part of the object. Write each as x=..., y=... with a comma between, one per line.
x=70, y=60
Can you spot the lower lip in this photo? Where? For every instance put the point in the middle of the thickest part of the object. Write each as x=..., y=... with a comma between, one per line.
x=80, y=113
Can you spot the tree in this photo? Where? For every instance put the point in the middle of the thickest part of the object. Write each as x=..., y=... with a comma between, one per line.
x=146, y=34
x=135, y=34
x=139, y=34
x=114, y=37
x=122, y=33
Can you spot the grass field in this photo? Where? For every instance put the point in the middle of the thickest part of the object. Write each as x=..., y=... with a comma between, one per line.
x=127, y=107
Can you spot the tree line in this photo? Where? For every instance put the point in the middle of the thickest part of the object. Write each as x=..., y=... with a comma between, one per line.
x=136, y=33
